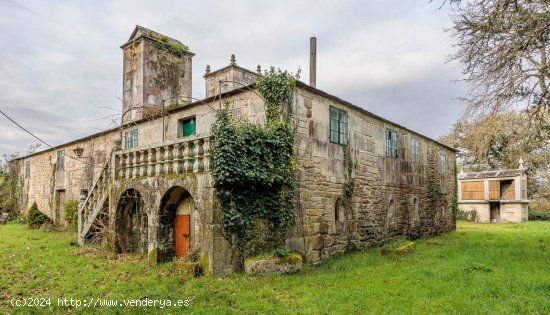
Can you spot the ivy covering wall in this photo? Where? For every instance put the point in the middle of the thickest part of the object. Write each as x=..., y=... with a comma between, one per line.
x=253, y=166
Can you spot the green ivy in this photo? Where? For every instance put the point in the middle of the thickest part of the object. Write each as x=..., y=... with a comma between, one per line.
x=349, y=185
x=253, y=166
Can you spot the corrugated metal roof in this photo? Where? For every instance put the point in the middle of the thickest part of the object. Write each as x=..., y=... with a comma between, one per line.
x=491, y=174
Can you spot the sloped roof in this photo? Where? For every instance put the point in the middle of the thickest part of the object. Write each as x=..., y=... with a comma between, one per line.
x=491, y=174
x=141, y=31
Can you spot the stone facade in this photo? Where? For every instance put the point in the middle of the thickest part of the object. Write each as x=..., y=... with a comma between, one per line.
x=137, y=188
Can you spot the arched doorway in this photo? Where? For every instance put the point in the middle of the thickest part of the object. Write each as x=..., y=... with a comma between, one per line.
x=131, y=223
x=176, y=223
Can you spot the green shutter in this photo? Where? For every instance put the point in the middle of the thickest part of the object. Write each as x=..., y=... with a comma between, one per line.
x=189, y=127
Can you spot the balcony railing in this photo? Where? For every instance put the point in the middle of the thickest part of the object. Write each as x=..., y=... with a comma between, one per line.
x=181, y=156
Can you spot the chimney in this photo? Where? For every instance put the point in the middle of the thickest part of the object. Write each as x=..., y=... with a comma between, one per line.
x=312, y=61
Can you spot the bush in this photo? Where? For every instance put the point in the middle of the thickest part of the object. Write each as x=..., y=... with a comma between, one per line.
x=467, y=215
x=281, y=252
x=535, y=215
x=71, y=212
x=35, y=218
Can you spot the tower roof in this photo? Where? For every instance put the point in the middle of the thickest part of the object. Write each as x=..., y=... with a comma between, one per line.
x=143, y=32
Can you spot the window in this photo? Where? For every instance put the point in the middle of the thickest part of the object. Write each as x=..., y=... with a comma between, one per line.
x=131, y=139
x=338, y=126
x=27, y=169
x=443, y=165
x=415, y=150
x=60, y=166
x=188, y=127
x=391, y=143
x=338, y=210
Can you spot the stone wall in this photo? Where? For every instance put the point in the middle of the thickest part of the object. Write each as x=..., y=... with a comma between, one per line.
x=45, y=182
x=390, y=198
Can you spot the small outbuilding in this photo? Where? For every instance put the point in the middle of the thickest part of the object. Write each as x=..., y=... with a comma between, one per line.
x=494, y=196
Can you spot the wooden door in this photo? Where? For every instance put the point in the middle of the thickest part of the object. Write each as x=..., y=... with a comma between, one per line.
x=494, y=214
x=182, y=235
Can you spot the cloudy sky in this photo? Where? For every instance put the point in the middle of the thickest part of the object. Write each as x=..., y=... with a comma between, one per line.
x=61, y=65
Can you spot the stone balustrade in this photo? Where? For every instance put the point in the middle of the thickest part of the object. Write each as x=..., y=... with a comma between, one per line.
x=181, y=156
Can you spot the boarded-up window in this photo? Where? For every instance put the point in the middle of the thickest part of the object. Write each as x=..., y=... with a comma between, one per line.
x=507, y=190
x=100, y=156
x=494, y=189
x=472, y=190
x=27, y=169
x=524, y=189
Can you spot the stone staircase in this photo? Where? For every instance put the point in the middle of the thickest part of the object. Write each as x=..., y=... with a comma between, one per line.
x=89, y=210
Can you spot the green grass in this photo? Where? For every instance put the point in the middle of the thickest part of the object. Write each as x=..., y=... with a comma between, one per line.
x=479, y=269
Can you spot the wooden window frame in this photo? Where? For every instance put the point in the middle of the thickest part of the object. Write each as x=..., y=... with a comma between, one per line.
x=338, y=125
x=391, y=143
x=442, y=164
x=415, y=150
x=131, y=139
x=60, y=161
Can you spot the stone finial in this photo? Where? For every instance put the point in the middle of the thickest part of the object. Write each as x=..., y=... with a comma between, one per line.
x=259, y=70
x=207, y=69
x=233, y=60
x=521, y=166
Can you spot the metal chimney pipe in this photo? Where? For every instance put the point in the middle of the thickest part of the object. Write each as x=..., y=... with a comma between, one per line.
x=313, y=61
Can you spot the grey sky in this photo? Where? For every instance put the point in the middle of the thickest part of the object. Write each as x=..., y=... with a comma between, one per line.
x=61, y=65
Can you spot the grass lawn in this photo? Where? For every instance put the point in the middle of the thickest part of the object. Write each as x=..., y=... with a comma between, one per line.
x=479, y=269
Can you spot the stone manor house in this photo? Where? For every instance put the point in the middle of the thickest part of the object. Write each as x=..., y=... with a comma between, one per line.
x=146, y=185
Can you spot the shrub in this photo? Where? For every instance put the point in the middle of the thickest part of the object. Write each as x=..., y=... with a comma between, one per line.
x=467, y=215
x=36, y=218
x=535, y=215
x=281, y=252
x=71, y=212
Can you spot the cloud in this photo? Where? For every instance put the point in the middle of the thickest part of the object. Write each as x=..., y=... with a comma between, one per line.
x=61, y=64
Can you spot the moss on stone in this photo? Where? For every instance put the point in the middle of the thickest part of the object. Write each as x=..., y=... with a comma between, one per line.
x=152, y=257
x=403, y=249
x=203, y=263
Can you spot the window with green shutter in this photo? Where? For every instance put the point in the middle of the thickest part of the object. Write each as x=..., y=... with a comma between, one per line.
x=338, y=126
x=391, y=143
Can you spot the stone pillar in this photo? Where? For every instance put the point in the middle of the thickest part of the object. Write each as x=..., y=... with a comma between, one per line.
x=167, y=159
x=206, y=159
x=198, y=151
x=177, y=159
x=187, y=158
x=158, y=162
x=150, y=163
x=135, y=165
x=128, y=167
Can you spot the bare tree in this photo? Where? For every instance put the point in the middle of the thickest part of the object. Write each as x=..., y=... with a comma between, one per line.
x=504, y=47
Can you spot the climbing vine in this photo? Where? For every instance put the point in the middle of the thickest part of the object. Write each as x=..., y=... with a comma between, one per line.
x=349, y=185
x=253, y=165
x=455, y=194
x=171, y=66
x=433, y=187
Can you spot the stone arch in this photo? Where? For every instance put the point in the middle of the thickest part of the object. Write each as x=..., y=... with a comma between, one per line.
x=176, y=232
x=131, y=223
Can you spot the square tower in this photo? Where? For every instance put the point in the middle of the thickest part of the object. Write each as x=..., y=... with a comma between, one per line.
x=156, y=74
